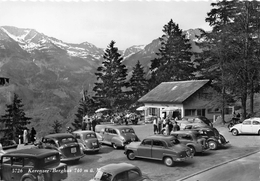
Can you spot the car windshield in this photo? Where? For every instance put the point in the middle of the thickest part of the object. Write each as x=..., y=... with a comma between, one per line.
x=102, y=176
x=90, y=135
x=67, y=140
x=205, y=120
x=127, y=130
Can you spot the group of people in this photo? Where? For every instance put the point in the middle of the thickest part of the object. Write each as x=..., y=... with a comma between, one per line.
x=165, y=125
x=89, y=122
x=29, y=136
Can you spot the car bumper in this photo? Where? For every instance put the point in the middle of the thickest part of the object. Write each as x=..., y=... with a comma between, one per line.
x=71, y=158
x=182, y=159
x=91, y=149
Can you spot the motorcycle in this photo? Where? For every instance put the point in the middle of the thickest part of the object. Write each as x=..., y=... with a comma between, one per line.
x=233, y=122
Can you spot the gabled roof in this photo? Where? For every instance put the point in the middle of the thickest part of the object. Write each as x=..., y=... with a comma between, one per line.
x=173, y=92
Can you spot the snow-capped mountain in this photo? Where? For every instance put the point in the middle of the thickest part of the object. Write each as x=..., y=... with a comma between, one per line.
x=49, y=74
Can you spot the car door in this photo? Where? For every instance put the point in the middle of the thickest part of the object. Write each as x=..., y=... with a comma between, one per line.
x=255, y=126
x=158, y=149
x=246, y=126
x=145, y=148
x=185, y=138
x=17, y=168
x=106, y=135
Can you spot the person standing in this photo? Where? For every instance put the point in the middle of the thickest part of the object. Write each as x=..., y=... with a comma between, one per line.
x=155, y=128
x=94, y=123
x=159, y=125
x=25, y=136
x=33, y=135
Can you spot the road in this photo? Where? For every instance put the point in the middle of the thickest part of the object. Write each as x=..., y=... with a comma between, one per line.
x=244, y=169
x=156, y=170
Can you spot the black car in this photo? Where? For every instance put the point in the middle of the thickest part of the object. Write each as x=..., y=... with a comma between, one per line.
x=8, y=144
x=214, y=139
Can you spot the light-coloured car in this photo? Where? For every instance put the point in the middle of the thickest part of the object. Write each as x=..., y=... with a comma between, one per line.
x=116, y=135
x=119, y=172
x=88, y=140
x=248, y=126
x=198, y=121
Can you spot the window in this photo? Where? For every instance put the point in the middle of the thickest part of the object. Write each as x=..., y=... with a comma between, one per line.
x=190, y=112
x=17, y=161
x=201, y=112
x=133, y=175
x=246, y=122
x=147, y=142
x=128, y=130
x=256, y=123
x=153, y=111
x=50, y=159
x=6, y=160
x=90, y=135
x=158, y=143
x=28, y=162
x=121, y=177
x=112, y=131
x=186, y=137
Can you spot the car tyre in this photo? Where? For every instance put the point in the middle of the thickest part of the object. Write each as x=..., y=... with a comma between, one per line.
x=114, y=146
x=212, y=145
x=130, y=155
x=258, y=132
x=193, y=151
x=168, y=161
x=234, y=132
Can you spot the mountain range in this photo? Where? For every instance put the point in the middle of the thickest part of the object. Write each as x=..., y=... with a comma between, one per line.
x=49, y=75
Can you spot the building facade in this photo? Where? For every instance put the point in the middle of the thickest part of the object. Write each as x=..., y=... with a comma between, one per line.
x=182, y=98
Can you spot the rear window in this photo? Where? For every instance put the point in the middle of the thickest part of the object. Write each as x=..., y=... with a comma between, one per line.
x=127, y=130
x=90, y=135
x=67, y=140
x=205, y=120
x=102, y=176
x=51, y=159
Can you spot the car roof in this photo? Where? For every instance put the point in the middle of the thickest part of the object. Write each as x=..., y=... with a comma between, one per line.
x=184, y=132
x=161, y=137
x=32, y=152
x=115, y=168
x=83, y=131
x=59, y=135
x=114, y=126
x=253, y=118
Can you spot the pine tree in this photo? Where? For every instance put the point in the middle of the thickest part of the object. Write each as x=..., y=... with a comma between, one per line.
x=138, y=83
x=87, y=106
x=111, y=78
x=174, y=57
x=56, y=127
x=15, y=119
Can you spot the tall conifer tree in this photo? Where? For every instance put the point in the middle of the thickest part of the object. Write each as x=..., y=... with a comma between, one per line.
x=111, y=78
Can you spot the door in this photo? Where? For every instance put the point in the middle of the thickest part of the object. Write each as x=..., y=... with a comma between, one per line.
x=246, y=127
x=145, y=148
x=107, y=135
x=158, y=149
x=17, y=168
x=255, y=126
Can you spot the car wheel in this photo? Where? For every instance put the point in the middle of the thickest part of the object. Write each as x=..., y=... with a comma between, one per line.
x=234, y=132
x=28, y=179
x=114, y=146
x=168, y=161
x=212, y=145
x=193, y=151
x=258, y=132
x=130, y=155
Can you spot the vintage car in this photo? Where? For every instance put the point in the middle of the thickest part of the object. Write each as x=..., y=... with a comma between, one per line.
x=116, y=135
x=88, y=140
x=119, y=172
x=8, y=144
x=159, y=147
x=214, y=139
x=199, y=121
x=65, y=143
x=192, y=139
x=32, y=165
x=248, y=126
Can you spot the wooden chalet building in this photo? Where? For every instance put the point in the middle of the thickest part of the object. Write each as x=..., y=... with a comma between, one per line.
x=181, y=98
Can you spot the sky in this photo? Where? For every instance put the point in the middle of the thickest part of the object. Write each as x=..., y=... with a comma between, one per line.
x=127, y=22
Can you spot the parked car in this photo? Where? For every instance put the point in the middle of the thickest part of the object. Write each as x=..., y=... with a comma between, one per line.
x=88, y=140
x=120, y=172
x=192, y=139
x=32, y=165
x=214, y=139
x=8, y=144
x=159, y=147
x=65, y=143
x=199, y=121
x=248, y=126
x=115, y=135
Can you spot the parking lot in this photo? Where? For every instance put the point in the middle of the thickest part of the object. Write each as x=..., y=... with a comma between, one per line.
x=156, y=170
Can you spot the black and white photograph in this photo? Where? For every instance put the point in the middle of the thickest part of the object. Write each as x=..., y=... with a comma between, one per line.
x=129, y=90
